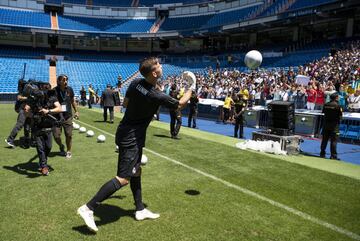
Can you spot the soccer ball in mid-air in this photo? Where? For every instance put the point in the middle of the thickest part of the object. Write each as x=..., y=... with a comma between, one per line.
x=101, y=138
x=190, y=79
x=82, y=129
x=90, y=133
x=144, y=159
x=253, y=59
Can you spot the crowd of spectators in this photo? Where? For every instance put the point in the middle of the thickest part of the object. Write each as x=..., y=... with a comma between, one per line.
x=338, y=72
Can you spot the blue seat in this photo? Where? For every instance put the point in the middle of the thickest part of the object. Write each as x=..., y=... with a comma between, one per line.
x=342, y=130
x=353, y=132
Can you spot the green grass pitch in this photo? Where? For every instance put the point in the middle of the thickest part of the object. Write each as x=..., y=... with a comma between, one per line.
x=238, y=195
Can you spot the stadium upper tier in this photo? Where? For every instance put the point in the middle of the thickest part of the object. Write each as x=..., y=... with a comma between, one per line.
x=150, y=3
x=104, y=25
x=299, y=4
x=24, y=18
x=208, y=21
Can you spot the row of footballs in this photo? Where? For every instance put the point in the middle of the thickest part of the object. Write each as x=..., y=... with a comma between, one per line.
x=89, y=133
x=102, y=138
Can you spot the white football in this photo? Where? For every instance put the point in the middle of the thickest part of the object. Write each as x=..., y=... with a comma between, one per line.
x=189, y=77
x=82, y=129
x=90, y=133
x=101, y=138
x=253, y=59
x=144, y=159
x=76, y=126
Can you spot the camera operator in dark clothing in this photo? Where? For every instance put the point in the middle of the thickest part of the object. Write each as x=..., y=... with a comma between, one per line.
x=65, y=95
x=23, y=119
x=44, y=120
x=108, y=102
x=239, y=108
x=193, y=110
x=175, y=115
x=332, y=116
x=141, y=101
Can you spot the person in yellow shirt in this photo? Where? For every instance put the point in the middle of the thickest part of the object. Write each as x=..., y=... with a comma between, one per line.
x=227, y=107
x=245, y=93
x=92, y=95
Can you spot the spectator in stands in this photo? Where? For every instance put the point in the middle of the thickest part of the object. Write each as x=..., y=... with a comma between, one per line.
x=107, y=101
x=65, y=96
x=311, y=97
x=354, y=102
x=300, y=97
x=320, y=97
x=330, y=90
x=342, y=97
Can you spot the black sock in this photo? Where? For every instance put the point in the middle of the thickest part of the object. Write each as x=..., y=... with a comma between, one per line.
x=135, y=185
x=104, y=193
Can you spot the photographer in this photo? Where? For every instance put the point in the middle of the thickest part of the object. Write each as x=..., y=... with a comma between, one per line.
x=23, y=119
x=43, y=104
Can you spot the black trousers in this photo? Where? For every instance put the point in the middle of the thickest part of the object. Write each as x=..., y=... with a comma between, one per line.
x=239, y=127
x=175, y=122
x=226, y=114
x=333, y=142
x=192, y=117
x=22, y=121
x=43, y=146
x=111, y=110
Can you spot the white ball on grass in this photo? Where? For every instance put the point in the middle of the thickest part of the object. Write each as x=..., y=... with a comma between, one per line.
x=82, y=129
x=90, y=133
x=76, y=126
x=101, y=138
x=144, y=159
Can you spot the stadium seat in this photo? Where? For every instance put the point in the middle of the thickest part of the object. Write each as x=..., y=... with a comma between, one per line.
x=353, y=132
x=342, y=129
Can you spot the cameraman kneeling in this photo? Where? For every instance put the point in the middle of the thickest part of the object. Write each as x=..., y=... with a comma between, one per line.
x=42, y=127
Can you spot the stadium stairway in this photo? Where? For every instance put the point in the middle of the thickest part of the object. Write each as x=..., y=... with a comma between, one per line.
x=52, y=76
x=157, y=25
x=135, y=3
x=54, y=21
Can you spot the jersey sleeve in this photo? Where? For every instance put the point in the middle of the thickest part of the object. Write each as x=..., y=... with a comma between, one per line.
x=162, y=99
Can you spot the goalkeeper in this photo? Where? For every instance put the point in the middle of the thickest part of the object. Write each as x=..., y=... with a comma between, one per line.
x=141, y=101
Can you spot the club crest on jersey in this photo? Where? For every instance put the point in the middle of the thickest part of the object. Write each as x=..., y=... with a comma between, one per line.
x=141, y=89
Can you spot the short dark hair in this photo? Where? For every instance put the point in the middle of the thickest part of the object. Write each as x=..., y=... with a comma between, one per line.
x=61, y=77
x=147, y=65
x=333, y=96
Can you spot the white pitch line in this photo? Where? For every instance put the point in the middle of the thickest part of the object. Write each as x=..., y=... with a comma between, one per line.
x=250, y=193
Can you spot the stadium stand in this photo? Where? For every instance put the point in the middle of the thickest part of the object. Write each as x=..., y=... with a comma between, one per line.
x=150, y=3
x=300, y=4
x=24, y=18
x=88, y=24
x=12, y=69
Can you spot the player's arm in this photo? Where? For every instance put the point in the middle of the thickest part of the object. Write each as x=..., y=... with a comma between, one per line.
x=56, y=109
x=125, y=102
